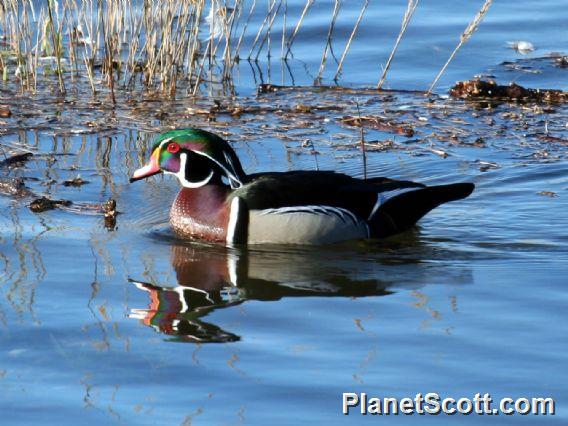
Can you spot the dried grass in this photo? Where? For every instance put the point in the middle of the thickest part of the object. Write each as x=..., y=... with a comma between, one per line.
x=157, y=46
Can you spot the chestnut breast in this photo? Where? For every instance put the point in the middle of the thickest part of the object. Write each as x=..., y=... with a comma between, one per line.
x=201, y=213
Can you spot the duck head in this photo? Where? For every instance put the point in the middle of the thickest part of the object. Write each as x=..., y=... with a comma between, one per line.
x=195, y=157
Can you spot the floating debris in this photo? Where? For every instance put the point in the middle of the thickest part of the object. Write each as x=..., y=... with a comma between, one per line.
x=43, y=204
x=521, y=67
x=269, y=88
x=481, y=89
x=14, y=187
x=16, y=159
x=534, y=64
x=378, y=123
x=439, y=152
x=479, y=142
x=197, y=111
x=379, y=145
x=553, y=139
x=5, y=112
x=78, y=181
x=303, y=109
x=561, y=62
x=523, y=47
x=485, y=166
x=109, y=209
x=548, y=194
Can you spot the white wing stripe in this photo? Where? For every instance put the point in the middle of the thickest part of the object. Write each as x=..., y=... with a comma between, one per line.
x=383, y=197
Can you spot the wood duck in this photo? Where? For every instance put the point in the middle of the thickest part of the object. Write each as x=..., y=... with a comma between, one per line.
x=219, y=202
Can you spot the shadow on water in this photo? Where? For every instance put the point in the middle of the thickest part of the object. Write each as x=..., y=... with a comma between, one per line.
x=211, y=278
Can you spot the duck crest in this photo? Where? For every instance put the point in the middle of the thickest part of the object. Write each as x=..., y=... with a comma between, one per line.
x=201, y=213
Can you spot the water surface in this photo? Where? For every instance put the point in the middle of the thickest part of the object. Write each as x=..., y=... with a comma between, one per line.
x=131, y=325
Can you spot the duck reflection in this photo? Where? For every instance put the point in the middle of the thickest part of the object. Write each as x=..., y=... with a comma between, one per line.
x=213, y=278
x=176, y=311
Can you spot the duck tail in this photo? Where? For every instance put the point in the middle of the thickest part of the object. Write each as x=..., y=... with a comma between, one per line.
x=403, y=211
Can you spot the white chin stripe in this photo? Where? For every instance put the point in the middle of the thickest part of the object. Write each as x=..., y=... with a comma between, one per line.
x=181, y=175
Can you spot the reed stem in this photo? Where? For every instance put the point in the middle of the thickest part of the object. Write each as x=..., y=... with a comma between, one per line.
x=468, y=32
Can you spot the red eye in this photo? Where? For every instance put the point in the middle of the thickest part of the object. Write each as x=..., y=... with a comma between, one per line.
x=173, y=148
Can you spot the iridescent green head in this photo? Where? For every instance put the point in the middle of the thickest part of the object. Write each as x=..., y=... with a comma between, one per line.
x=195, y=157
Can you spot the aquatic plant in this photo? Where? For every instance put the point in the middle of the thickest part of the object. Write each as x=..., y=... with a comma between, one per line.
x=161, y=46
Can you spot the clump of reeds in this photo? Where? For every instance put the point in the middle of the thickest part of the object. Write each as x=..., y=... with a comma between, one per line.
x=125, y=45
x=159, y=46
x=115, y=44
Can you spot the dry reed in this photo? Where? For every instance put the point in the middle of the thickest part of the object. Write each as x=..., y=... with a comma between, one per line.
x=351, y=37
x=468, y=32
x=118, y=46
x=411, y=7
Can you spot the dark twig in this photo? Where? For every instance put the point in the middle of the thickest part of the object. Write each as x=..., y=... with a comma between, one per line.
x=17, y=158
x=363, y=150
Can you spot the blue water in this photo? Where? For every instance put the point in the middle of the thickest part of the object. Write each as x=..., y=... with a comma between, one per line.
x=133, y=326
x=432, y=35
